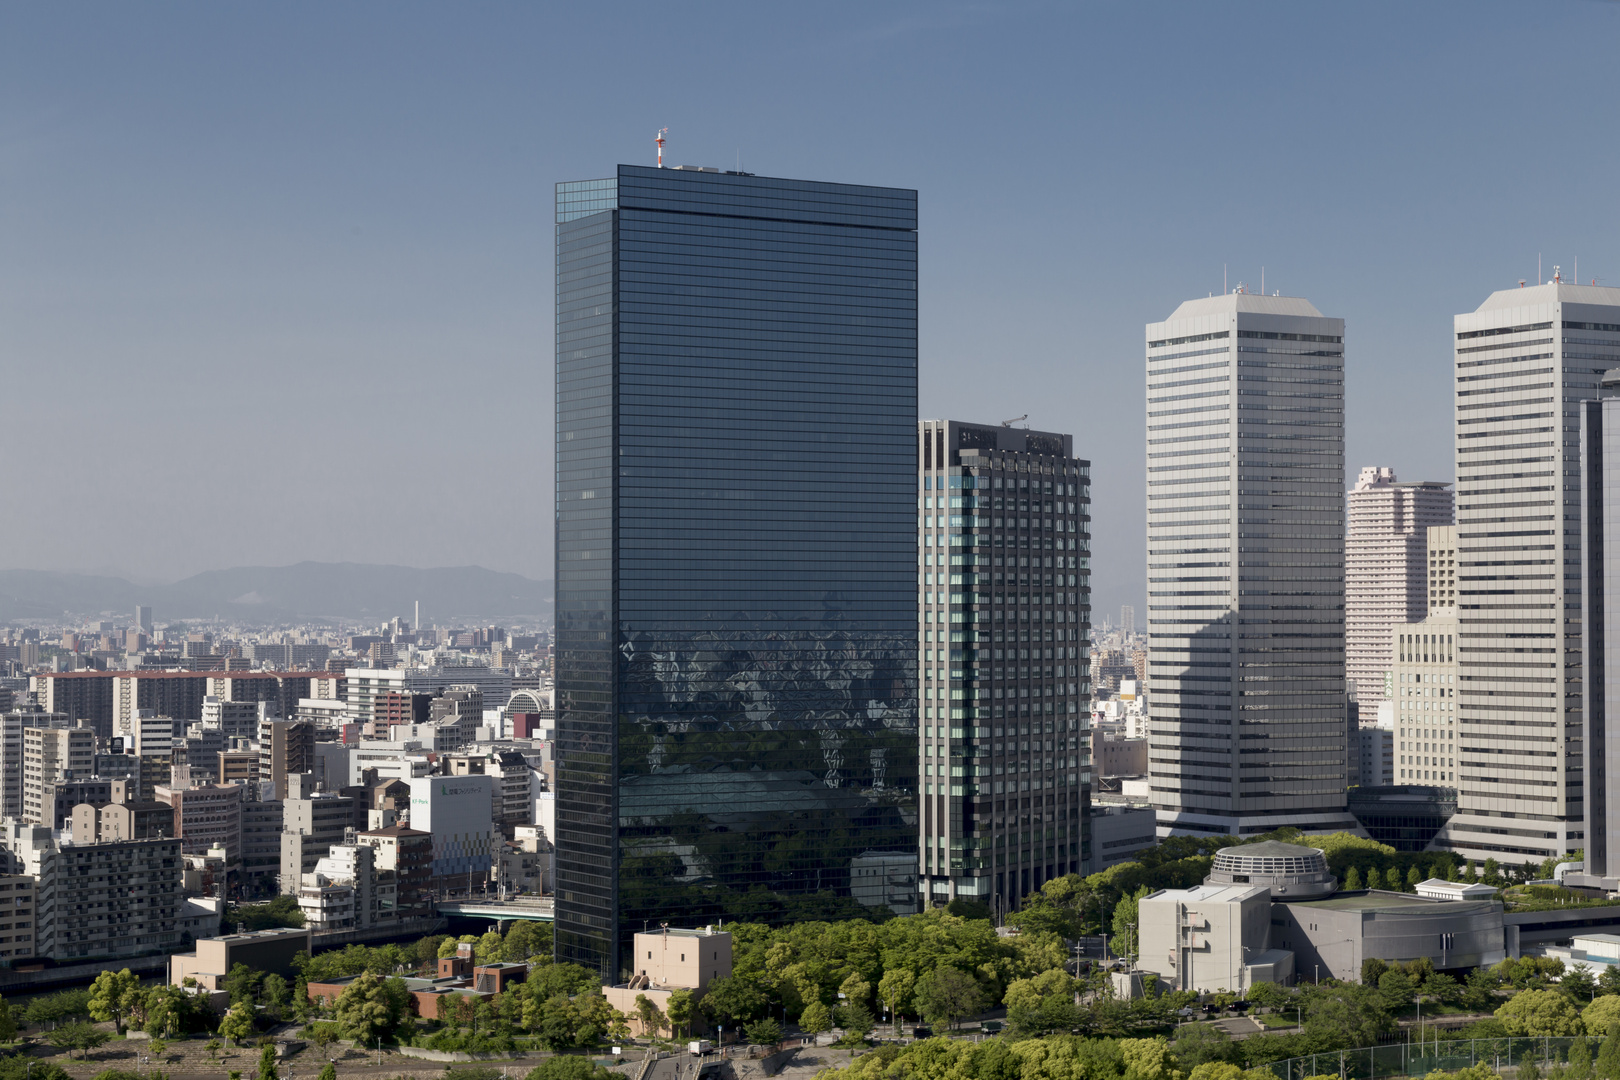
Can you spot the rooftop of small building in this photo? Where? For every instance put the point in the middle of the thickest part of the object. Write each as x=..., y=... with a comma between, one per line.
x=1379, y=900
x=1270, y=849
x=675, y=931
x=1214, y=894
x=261, y=935
x=395, y=831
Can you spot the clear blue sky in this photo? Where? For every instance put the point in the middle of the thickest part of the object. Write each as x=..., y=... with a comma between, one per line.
x=275, y=280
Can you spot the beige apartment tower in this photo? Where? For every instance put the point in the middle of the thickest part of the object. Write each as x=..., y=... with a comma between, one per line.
x=1385, y=556
x=1523, y=362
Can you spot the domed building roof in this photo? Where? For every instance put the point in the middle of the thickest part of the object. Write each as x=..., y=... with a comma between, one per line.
x=1290, y=871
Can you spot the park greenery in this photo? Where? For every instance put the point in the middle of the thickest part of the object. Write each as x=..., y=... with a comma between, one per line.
x=851, y=975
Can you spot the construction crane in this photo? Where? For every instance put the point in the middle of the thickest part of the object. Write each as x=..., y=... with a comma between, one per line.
x=1015, y=420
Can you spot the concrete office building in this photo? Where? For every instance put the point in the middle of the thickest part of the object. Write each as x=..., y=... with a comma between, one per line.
x=1245, y=455
x=143, y=617
x=1524, y=361
x=408, y=854
x=1425, y=686
x=49, y=755
x=1385, y=564
x=730, y=345
x=347, y=890
x=1005, y=609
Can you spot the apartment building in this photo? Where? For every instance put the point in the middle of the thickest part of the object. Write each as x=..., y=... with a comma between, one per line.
x=49, y=755
x=100, y=901
x=205, y=817
x=13, y=725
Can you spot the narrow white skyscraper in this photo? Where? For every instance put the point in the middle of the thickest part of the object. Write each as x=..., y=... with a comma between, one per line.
x=1386, y=573
x=1524, y=361
x=1245, y=622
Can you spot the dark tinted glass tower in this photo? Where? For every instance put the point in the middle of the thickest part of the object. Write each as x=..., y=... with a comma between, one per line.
x=736, y=549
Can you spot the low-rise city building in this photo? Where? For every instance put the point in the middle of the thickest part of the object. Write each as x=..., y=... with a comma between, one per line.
x=667, y=960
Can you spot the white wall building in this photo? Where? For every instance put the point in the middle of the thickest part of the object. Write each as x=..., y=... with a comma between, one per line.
x=456, y=810
x=1213, y=937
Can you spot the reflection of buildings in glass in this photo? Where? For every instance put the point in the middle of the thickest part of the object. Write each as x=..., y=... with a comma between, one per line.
x=736, y=639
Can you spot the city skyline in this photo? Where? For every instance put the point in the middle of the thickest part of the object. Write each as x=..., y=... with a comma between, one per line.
x=226, y=233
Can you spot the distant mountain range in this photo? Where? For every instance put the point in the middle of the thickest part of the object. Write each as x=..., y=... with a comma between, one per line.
x=308, y=590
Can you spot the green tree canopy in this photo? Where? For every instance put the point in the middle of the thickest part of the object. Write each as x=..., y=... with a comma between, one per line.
x=78, y=1036
x=681, y=1009
x=1602, y=1014
x=733, y=1001
x=114, y=996
x=947, y=995
x=237, y=1025
x=1344, y=1015
x=281, y=911
x=570, y=1067
x=1540, y=1012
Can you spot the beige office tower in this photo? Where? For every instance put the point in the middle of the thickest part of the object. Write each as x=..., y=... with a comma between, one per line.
x=1524, y=361
x=1385, y=551
x=1245, y=619
x=1423, y=681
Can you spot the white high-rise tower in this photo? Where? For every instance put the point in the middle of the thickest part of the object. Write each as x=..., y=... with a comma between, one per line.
x=1524, y=361
x=1245, y=621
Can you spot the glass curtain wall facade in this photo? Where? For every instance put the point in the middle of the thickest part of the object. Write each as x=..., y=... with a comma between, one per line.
x=1245, y=461
x=736, y=567
x=1003, y=517
x=1524, y=361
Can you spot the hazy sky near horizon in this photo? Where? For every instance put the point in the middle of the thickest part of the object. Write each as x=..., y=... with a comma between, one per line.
x=276, y=280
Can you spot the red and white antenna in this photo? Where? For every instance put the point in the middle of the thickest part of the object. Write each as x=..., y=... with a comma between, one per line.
x=659, y=139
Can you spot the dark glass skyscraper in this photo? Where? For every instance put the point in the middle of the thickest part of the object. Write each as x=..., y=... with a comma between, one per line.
x=736, y=548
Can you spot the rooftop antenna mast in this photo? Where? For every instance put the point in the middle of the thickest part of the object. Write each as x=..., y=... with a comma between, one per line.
x=659, y=139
